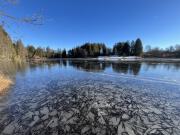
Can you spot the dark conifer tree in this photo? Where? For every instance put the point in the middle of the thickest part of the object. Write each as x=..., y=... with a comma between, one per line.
x=64, y=53
x=138, y=47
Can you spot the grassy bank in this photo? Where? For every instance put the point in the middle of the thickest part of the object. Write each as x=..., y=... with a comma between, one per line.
x=5, y=83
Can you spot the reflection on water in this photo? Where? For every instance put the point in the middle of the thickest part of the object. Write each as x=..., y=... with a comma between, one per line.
x=91, y=97
x=10, y=69
x=131, y=68
x=8, y=72
x=88, y=66
x=91, y=66
x=166, y=66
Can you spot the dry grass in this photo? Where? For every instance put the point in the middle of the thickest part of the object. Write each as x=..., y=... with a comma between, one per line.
x=5, y=83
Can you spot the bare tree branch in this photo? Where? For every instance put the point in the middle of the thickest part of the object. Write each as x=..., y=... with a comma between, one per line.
x=36, y=19
x=11, y=1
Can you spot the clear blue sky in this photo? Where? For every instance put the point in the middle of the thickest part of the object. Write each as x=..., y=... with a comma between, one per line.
x=69, y=23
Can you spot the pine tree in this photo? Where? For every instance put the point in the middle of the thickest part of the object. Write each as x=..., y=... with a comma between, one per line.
x=64, y=53
x=126, y=49
x=132, y=49
x=138, y=47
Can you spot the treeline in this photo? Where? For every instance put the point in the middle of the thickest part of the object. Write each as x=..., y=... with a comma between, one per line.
x=45, y=52
x=170, y=52
x=11, y=50
x=86, y=50
x=17, y=51
x=135, y=48
x=89, y=50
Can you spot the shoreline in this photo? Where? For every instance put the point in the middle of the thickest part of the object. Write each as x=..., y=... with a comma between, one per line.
x=169, y=60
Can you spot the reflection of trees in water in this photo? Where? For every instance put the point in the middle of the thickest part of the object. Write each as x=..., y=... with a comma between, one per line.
x=88, y=66
x=132, y=68
x=151, y=65
x=11, y=68
x=64, y=63
x=34, y=66
x=120, y=67
x=47, y=64
x=135, y=68
x=176, y=66
x=107, y=64
x=169, y=66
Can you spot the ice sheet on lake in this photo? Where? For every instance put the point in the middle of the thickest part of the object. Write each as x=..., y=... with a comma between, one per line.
x=88, y=106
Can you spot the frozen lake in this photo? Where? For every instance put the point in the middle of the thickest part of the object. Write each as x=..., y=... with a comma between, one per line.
x=91, y=97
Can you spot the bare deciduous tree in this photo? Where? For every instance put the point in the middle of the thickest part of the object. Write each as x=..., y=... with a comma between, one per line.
x=36, y=19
